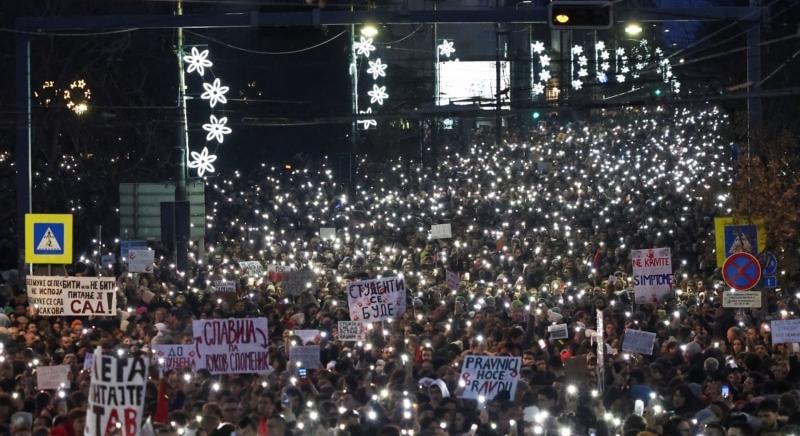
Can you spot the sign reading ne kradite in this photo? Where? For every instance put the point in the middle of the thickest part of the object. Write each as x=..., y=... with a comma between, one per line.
x=116, y=395
x=487, y=376
x=231, y=346
x=72, y=296
x=377, y=299
x=652, y=274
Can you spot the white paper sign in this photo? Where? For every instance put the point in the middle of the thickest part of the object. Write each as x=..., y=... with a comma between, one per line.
x=116, y=395
x=232, y=346
x=251, y=268
x=88, y=360
x=487, y=376
x=52, y=377
x=274, y=267
x=305, y=356
x=327, y=233
x=377, y=299
x=141, y=260
x=353, y=331
x=441, y=231
x=72, y=296
x=175, y=356
x=741, y=299
x=558, y=331
x=638, y=341
x=295, y=282
x=785, y=331
x=652, y=274
x=224, y=286
x=307, y=335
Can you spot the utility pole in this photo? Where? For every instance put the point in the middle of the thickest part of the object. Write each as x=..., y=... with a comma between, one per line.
x=498, y=118
x=181, y=243
x=22, y=152
x=754, y=109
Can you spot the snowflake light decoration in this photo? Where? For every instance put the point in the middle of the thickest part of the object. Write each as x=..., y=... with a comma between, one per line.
x=446, y=48
x=577, y=50
x=378, y=94
x=538, y=88
x=377, y=69
x=577, y=84
x=366, y=123
x=544, y=76
x=216, y=128
x=537, y=47
x=544, y=60
x=198, y=61
x=203, y=161
x=215, y=92
x=364, y=47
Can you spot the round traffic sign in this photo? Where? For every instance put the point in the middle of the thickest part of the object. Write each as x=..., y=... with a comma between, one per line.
x=741, y=271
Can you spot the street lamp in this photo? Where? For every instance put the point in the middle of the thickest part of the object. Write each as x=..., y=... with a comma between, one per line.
x=369, y=30
x=633, y=29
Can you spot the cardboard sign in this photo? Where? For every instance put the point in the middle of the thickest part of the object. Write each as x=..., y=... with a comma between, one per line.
x=231, y=346
x=52, y=377
x=652, y=274
x=116, y=395
x=72, y=296
x=558, y=331
x=295, y=282
x=251, y=268
x=307, y=335
x=175, y=356
x=353, y=331
x=377, y=299
x=638, y=341
x=304, y=356
x=785, y=331
x=224, y=286
x=486, y=376
x=741, y=299
x=141, y=261
x=441, y=231
x=327, y=233
x=453, y=280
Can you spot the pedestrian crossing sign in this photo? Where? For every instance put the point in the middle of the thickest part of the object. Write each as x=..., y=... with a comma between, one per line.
x=48, y=238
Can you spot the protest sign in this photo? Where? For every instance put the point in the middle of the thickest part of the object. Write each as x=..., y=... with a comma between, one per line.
x=652, y=274
x=453, y=280
x=52, y=377
x=295, y=282
x=251, y=268
x=307, y=336
x=174, y=356
x=231, y=346
x=327, y=232
x=441, y=231
x=116, y=395
x=377, y=299
x=224, y=286
x=638, y=341
x=558, y=331
x=353, y=331
x=304, y=356
x=72, y=296
x=741, y=299
x=126, y=246
x=785, y=331
x=487, y=376
x=141, y=260
x=108, y=260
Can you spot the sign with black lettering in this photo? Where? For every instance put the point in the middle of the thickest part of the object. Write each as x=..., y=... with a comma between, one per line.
x=353, y=331
x=304, y=356
x=116, y=395
x=377, y=299
x=652, y=274
x=72, y=296
x=483, y=377
x=231, y=346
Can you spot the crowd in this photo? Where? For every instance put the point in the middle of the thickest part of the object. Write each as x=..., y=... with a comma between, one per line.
x=542, y=228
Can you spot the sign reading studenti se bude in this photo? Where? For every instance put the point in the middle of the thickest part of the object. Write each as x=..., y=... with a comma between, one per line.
x=231, y=346
x=376, y=299
x=487, y=376
x=72, y=296
x=652, y=274
x=116, y=395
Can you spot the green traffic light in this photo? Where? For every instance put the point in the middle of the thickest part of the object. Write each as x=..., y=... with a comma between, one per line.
x=536, y=115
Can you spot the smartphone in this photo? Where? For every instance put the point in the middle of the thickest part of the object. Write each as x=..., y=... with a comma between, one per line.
x=638, y=408
x=542, y=344
x=303, y=373
x=285, y=399
x=725, y=390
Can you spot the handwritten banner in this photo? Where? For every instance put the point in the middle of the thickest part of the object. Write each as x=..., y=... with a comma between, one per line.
x=785, y=331
x=638, y=341
x=652, y=274
x=231, y=346
x=377, y=299
x=304, y=356
x=72, y=296
x=116, y=395
x=251, y=268
x=52, y=377
x=224, y=286
x=175, y=356
x=353, y=331
x=487, y=376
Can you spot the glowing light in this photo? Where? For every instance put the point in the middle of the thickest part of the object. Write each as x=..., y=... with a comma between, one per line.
x=364, y=47
x=202, y=161
x=369, y=30
x=197, y=61
x=446, y=48
x=633, y=29
x=215, y=92
x=377, y=69
x=378, y=94
x=562, y=18
x=216, y=128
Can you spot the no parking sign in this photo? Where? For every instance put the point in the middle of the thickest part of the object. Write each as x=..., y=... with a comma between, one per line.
x=741, y=271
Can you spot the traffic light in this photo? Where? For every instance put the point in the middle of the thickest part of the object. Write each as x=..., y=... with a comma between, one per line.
x=567, y=15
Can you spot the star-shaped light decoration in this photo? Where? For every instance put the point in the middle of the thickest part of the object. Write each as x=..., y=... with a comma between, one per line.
x=604, y=55
x=203, y=161
x=544, y=76
x=216, y=128
x=577, y=84
x=538, y=88
x=378, y=94
x=582, y=72
x=576, y=50
x=537, y=47
x=583, y=61
x=605, y=66
x=377, y=69
x=600, y=45
x=620, y=51
x=366, y=123
x=198, y=61
x=215, y=92
x=602, y=77
x=446, y=48
x=544, y=60
x=621, y=78
x=364, y=47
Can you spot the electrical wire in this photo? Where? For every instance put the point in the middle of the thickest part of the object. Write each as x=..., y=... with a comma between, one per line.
x=780, y=67
x=261, y=52
x=403, y=38
x=32, y=33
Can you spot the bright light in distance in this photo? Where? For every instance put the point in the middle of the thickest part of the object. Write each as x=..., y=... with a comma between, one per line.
x=633, y=29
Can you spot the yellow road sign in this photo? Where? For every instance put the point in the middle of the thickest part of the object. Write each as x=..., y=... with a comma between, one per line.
x=48, y=238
